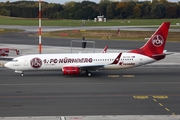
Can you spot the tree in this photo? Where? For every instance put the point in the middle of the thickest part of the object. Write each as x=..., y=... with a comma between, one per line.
x=120, y=10
x=69, y=4
x=137, y=11
x=103, y=6
x=129, y=9
x=109, y=11
x=171, y=11
x=4, y=12
x=158, y=11
x=86, y=12
x=145, y=10
x=89, y=10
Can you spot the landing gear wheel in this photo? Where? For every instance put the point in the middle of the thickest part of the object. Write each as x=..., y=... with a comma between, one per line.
x=22, y=74
x=89, y=74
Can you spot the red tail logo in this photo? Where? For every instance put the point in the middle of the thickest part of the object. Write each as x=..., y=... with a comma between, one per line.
x=157, y=40
x=155, y=45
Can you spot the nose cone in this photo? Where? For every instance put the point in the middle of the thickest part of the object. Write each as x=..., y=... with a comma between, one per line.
x=8, y=65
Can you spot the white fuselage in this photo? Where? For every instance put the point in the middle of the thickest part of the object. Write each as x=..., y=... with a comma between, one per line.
x=58, y=61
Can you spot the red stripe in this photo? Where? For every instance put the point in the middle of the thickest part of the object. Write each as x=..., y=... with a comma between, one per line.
x=39, y=14
x=40, y=48
x=40, y=31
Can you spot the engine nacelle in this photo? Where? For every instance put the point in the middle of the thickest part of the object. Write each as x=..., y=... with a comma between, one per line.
x=70, y=70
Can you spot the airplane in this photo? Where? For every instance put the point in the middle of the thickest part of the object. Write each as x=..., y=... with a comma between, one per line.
x=105, y=49
x=74, y=64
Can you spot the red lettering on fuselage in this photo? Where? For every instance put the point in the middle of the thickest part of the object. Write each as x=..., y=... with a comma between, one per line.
x=68, y=60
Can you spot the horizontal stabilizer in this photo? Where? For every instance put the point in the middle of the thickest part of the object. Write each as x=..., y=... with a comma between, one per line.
x=164, y=54
x=160, y=56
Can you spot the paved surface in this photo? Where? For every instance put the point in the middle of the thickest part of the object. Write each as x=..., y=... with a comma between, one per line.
x=27, y=39
x=146, y=92
x=114, y=117
x=58, y=28
x=173, y=59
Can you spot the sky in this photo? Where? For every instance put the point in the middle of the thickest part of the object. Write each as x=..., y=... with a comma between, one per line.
x=64, y=1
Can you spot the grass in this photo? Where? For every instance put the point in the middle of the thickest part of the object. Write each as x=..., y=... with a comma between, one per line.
x=109, y=34
x=95, y=34
x=9, y=30
x=46, y=22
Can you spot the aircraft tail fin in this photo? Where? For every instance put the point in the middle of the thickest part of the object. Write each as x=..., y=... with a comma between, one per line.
x=155, y=45
x=105, y=49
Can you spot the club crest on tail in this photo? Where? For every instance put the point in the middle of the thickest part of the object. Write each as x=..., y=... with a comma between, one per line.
x=157, y=40
x=155, y=45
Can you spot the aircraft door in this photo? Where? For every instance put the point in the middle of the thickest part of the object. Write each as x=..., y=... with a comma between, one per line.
x=141, y=60
x=25, y=61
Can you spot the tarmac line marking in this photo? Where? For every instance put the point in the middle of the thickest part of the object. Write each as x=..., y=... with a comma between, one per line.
x=160, y=104
x=160, y=96
x=129, y=76
x=174, y=114
x=167, y=109
x=113, y=76
x=141, y=97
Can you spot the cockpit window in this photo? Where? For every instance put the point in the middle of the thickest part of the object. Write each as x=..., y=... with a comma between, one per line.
x=14, y=60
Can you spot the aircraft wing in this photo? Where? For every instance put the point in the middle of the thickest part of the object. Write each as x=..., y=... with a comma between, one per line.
x=90, y=67
x=86, y=66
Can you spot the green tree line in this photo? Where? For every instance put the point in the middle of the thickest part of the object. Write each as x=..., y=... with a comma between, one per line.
x=126, y=9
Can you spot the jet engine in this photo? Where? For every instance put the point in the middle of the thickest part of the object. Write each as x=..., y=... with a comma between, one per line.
x=70, y=70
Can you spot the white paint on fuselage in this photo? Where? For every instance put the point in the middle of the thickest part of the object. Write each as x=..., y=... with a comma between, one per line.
x=127, y=60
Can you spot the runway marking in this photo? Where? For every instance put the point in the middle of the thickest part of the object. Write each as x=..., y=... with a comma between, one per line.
x=167, y=109
x=163, y=105
x=129, y=76
x=155, y=97
x=141, y=97
x=160, y=96
x=113, y=75
x=174, y=114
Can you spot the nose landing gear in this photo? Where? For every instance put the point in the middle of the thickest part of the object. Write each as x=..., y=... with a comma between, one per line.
x=21, y=73
x=88, y=73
